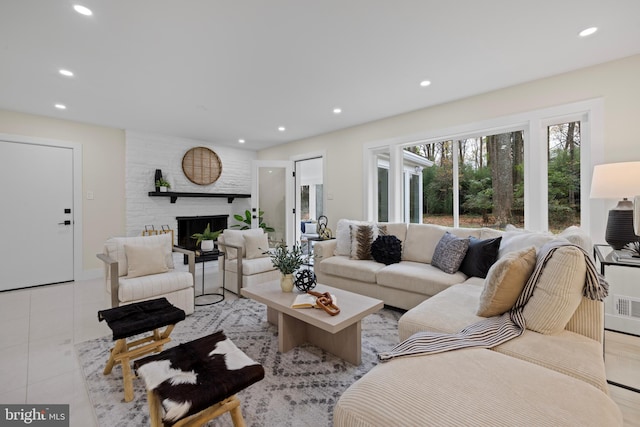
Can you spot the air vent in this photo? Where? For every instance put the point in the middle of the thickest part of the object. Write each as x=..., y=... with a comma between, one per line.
x=627, y=306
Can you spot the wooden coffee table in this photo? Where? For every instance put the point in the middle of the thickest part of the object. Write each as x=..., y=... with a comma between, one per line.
x=339, y=335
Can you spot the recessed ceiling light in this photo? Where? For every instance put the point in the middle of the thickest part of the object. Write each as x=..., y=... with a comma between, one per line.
x=82, y=10
x=241, y=141
x=588, y=31
x=66, y=73
x=425, y=83
x=337, y=110
x=61, y=106
x=282, y=129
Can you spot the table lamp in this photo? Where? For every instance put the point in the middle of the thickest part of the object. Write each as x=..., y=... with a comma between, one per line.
x=617, y=181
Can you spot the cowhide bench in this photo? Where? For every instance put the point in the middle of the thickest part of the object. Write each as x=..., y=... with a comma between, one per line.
x=197, y=381
x=133, y=319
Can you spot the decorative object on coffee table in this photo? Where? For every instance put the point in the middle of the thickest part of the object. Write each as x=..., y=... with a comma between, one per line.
x=201, y=166
x=305, y=280
x=287, y=261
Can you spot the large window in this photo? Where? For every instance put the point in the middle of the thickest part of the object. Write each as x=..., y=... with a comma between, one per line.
x=530, y=170
x=478, y=180
x=563, y=145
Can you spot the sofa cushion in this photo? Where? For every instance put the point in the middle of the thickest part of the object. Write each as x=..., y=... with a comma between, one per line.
x=505, y=282
x=398, y=229
x=256, y=245
x=578, y=237
x=448, y=311
x=518, y=239
x=236, y=238
x=137, y=288
x=565, y=352
x=387, y=250
x=251, y=266
x=417, y=277
x=471, y=387
x=481, y=255
x=362, y=236
x=558, y=291
x=421, y=242
x=145, y=260
x=361, y=270
x=449, y=253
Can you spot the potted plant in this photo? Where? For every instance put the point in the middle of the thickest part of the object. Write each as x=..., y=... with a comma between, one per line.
x=287, y=261
x=163, y=184
x=246, y=221
x=206, y=238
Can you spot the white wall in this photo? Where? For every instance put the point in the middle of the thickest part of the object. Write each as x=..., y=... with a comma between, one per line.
x=147, y=152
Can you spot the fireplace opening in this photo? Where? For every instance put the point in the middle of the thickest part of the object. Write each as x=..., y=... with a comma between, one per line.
x=188, y=225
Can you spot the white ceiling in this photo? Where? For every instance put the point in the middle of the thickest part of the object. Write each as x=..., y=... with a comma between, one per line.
x=218, y=70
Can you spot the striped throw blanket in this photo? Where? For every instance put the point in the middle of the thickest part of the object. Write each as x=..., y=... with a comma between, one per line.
x=496, y=330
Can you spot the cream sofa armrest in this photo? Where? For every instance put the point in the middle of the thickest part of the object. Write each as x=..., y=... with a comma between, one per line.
x=111, y=267
x=237, y=259
x=191, y=258
x=324, y=249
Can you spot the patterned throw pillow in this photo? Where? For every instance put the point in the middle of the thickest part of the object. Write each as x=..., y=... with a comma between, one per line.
x=362, y=236
x=450, y=252
x=387, y=250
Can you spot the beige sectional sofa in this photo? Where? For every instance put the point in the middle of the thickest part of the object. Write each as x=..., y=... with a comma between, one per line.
x=554, y=378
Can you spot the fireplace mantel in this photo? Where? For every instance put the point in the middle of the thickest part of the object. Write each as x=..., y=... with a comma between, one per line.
x=175, y=194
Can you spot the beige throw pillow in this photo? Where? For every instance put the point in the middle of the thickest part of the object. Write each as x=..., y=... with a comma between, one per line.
x=255, y=245
x=145, y=260
x=236, y=238
x=558, y=292
x=505, y=281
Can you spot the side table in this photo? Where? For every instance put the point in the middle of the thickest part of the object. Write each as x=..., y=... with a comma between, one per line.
x=606, y=256
x=205, y=297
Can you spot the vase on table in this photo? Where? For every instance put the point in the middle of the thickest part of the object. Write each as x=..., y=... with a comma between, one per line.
x=286, y=282
x=206, y=245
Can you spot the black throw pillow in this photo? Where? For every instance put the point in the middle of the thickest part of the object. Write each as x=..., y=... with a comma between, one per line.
x=481, y=255
x=387, y=249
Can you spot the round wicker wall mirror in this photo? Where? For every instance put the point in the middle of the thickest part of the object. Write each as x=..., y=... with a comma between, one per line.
x=202, y=166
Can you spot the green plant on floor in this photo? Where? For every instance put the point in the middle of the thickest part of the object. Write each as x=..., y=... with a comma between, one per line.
x=163, y=183
x=286, y=260
x=246, y=221
x=207, y=234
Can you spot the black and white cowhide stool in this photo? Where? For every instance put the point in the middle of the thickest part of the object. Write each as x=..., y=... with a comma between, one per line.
x=197, y=381
x=134, y=319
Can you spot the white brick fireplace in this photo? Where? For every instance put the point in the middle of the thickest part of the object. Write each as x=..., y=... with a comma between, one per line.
x=147, y=152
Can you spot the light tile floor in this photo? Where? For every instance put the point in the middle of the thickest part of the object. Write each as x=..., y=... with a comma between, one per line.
x=40, y=326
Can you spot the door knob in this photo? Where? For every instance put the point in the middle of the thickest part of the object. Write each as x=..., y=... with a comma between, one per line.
x=67, y=222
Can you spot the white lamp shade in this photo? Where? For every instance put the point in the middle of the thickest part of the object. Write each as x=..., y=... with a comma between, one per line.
x=615, y=180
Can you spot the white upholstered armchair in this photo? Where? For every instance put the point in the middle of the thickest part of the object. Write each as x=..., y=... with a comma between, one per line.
x=243, y=262
x=141, y=268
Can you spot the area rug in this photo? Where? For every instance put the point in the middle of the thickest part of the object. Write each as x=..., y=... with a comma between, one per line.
x=300, y=387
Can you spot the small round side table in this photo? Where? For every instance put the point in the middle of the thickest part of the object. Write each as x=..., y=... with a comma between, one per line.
x=206, y=299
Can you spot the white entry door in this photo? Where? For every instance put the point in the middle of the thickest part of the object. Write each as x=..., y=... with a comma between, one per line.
x=272, y=194
x=36, y=215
